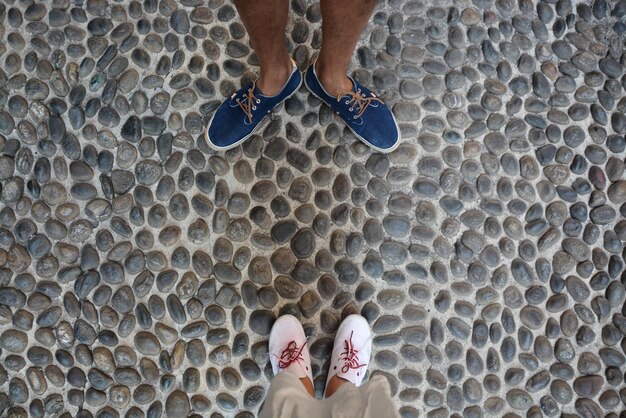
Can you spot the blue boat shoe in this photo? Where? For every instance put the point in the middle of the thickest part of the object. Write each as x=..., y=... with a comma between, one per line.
x=236, y=119
x=367, y=116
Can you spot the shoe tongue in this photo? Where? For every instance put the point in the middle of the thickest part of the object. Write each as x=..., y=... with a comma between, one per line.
x=297, y=369
x=257, y=90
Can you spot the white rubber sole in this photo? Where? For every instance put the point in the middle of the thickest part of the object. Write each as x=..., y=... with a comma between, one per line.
x=383, y=150
x=255, y=130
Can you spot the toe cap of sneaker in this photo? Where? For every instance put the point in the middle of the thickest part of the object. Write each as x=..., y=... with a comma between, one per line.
x=381, y=130
x=227, y=127
x=356, y=321
x=286, y=327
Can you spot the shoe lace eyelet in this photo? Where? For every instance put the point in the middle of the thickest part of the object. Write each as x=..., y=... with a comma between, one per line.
x=258, y=101
x=253, y=107
x=347, y=102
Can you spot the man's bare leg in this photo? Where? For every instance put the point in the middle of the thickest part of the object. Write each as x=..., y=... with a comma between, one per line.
x=343, y=22
x=265, y=22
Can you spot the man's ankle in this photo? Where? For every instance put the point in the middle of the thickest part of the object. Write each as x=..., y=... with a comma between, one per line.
x=334, y=82
x=272, y=81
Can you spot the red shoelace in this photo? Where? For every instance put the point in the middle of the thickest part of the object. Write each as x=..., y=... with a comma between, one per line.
x=291, y=354
x=349, y=356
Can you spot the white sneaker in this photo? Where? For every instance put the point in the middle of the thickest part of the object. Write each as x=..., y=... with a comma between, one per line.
x=288, y=349
x=352, y=350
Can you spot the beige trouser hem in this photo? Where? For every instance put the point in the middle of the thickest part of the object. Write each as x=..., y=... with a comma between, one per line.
x=287, y=398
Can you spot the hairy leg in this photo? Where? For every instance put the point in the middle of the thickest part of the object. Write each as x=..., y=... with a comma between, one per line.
x=342, y=24
x=265, y=22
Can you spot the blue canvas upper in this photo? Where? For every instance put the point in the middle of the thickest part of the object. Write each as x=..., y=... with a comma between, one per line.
x=237, y=117
x=364, y=113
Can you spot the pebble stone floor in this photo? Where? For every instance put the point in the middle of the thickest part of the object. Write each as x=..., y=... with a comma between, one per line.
x=140, y=272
